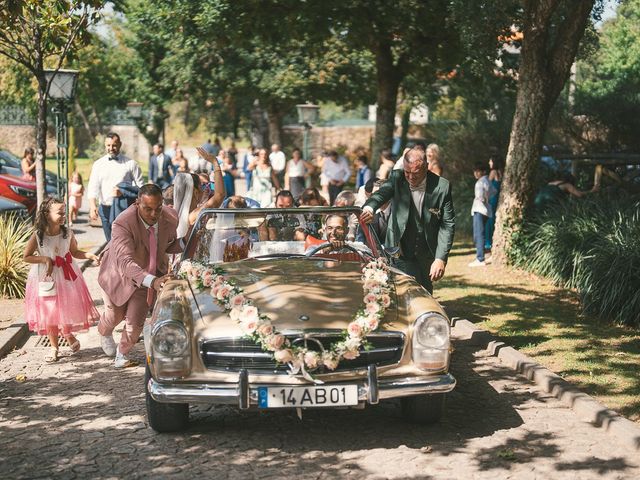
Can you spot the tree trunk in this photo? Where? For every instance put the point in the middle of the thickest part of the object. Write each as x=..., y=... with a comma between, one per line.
x=41, y=137
x=274, y=117
x=389, y=77
x=258, y=132
x=85, y=120
x=545, y=65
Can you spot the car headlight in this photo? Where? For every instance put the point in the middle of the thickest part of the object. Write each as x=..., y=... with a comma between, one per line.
x=170, y=339
x=431, y=342
x=23, y=192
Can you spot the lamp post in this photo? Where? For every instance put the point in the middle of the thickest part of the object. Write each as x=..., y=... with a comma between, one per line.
x=307, y=116
x=135, y=112
x=62, y=90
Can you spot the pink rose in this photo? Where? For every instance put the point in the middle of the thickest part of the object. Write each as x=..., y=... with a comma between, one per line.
x=237, y=300
x=386, y=300
x=369, y=298
x=223, y=292
x=371, y=284
x=311, y=359
x=275, y=342
x=249, y=326
x=354, y=329
x=206, y=279
x=372, y=323
x=219, y=279
x=351, y=354
x=214, y=291
x=265, y=330
x=372, y=308
x=283, y=356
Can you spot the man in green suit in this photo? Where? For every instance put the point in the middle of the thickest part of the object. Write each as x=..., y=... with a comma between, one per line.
x=422, y=220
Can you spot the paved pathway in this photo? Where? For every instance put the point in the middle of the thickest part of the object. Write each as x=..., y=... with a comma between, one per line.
x=80, y=418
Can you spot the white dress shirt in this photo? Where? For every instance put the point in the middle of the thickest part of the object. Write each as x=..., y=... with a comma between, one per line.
x=417, y=195
x=278, y=161
x=482, y=192
x=107, y=173
x=338, y=171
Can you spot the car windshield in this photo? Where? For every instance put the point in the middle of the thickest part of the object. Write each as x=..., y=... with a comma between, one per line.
x=229, y=235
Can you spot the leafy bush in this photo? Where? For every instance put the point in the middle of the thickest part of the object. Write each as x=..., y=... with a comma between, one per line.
x=592, y=245
x=13, y=270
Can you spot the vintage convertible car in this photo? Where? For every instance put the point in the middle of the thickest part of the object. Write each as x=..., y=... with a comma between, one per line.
x=270, y=310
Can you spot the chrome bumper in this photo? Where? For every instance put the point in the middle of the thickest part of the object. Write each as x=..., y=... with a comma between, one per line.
x=245, y=395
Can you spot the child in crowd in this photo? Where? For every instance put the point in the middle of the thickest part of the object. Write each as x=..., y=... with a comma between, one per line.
x=57, y=298
x=481, y=211
x=76, y=190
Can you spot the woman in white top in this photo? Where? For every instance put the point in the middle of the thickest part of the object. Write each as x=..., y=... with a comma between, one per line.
x=297, y=170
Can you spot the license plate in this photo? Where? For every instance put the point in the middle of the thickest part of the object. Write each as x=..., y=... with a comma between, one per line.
x=316, y=396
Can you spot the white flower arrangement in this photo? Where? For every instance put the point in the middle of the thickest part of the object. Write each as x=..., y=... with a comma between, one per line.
x=260, y=329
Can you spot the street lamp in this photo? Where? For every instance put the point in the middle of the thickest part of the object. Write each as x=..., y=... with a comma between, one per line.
x=135, y=112
x=62, y=90
x=307, y=116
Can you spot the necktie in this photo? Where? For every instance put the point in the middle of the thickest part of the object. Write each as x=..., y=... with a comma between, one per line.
x=153, y=251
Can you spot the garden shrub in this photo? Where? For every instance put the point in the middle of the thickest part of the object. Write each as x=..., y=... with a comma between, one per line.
x=14, y=234
x=592, y=245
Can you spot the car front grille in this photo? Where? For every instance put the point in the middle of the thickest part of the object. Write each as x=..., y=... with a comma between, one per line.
x=234, y=354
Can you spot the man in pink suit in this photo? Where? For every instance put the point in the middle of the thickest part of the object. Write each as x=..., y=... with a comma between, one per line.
x=134, y=267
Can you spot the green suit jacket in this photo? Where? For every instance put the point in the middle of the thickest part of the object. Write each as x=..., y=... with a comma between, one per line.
x=438, y=216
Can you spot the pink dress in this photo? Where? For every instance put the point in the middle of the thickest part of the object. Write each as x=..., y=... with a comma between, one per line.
x=75, y=195
x=71, y=309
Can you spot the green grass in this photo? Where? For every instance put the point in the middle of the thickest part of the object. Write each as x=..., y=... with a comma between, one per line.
x=546, y=323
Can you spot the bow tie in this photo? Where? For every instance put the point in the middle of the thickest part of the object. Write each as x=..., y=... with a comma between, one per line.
x=113, y=158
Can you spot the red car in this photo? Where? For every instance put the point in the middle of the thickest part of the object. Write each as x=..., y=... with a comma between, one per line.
x=18, y=190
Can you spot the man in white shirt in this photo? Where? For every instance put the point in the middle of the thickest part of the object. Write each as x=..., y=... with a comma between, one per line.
x=278, y=162
x=336, y=172
x=481, y=211
x=106, y=173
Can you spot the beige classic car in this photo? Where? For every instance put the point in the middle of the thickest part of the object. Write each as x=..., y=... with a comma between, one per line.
x=292, y=308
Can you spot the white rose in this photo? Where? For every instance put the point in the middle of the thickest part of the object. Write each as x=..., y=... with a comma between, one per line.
x=311, y=359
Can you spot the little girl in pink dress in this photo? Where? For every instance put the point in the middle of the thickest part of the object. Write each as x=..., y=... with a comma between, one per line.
x=76, y=189
x=67, y=307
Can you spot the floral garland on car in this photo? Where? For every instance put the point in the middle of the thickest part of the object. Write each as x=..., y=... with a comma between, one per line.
x=259, y=327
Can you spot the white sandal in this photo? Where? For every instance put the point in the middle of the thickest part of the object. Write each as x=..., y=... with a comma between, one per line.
x=53, y=356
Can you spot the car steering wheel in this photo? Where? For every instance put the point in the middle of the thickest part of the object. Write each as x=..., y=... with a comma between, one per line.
x=315, y=250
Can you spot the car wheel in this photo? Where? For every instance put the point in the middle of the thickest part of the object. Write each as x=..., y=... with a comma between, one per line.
x=423, y=409
x=164, y=417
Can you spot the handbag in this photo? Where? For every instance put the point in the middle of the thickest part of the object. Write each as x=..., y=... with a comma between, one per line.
x=46, y=287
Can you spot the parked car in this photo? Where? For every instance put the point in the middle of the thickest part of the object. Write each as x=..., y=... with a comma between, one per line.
x=263, y=315
x=18, y=190
x=10, y=208
x=11, y=165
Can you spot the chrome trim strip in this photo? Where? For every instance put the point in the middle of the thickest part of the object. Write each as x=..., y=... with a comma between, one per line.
x=228, y=393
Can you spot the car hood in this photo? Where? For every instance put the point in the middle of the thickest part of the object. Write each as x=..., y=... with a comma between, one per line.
x=328, y=293
x=8, y=204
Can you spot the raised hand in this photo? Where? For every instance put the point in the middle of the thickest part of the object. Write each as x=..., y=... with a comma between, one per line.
x=207, y=156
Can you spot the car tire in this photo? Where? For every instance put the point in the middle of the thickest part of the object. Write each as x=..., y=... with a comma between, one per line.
x=423, y=409
x=164, y=417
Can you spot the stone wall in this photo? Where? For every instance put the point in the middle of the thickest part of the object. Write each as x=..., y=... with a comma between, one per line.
x=347, y=138
x=16, y=138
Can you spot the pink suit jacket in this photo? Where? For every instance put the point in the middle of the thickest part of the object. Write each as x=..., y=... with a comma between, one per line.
x=126, y=258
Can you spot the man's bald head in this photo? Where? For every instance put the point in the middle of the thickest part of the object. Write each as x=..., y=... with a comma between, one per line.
x=415, y=166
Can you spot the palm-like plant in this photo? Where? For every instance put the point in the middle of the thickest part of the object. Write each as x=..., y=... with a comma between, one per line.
x=14, y=234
